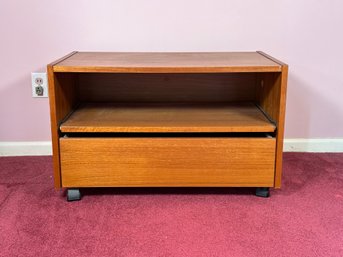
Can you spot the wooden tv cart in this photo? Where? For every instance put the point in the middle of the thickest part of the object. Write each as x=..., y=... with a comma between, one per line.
x=167, y=120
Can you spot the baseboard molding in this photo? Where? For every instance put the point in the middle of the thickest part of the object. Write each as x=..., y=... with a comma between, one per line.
x=290, y=145
x=25, y=148
x=314, y=145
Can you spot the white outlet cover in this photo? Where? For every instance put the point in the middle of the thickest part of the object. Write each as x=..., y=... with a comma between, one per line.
x=44, y=84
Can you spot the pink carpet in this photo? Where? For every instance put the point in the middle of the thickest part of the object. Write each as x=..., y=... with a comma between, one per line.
x=305, y=218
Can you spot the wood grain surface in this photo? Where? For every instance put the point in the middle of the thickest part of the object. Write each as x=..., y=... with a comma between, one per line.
x=167, y=62
x=271, y=91
x=61, y=101
x=106, y=117
x=103, y=162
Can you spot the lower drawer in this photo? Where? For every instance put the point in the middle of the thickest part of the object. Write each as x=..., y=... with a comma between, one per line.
x=105, y=162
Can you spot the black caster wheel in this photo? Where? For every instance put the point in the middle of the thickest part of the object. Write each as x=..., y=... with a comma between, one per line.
x=262, y=191
x=73, y=195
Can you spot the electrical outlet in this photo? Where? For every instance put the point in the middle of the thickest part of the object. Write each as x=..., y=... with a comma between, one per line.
x=39, y=83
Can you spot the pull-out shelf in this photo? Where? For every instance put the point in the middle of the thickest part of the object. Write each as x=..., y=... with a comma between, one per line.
x=105, y=117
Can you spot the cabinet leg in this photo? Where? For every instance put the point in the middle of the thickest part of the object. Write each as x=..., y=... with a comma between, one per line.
x=262, y=191
x=73, y=194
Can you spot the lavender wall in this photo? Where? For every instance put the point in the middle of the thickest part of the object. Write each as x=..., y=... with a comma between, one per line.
x=305, y=34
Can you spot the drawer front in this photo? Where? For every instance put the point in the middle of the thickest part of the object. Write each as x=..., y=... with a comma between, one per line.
x=102, y=162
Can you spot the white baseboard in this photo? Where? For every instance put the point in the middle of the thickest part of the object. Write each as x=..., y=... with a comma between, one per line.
x=333, y=145
x=25, y=148
x=317, y=145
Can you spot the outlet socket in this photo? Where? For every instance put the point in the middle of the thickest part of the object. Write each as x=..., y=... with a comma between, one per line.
x=39, y=84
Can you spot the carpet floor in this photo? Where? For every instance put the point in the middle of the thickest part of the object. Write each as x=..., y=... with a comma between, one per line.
x=304, y=218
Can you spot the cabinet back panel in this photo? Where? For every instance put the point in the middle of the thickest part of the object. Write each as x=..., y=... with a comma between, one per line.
x=122, y=87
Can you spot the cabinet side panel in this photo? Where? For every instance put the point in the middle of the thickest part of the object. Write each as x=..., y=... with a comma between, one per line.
x=281, y=127
x=268, y=94
x=54, y=128
x=62, y=88
x=167, y=87
x=271, y=96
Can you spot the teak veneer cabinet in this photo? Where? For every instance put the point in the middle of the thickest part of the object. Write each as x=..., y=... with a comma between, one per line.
x=167, y=120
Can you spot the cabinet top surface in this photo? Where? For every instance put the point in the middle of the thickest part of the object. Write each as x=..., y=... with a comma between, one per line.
x=167, y=62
